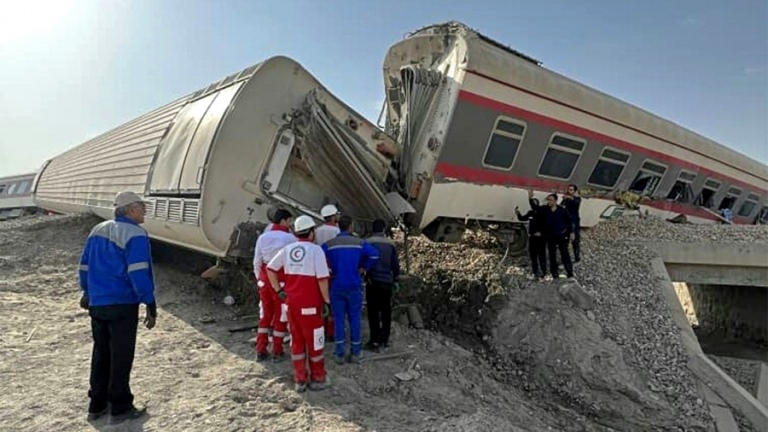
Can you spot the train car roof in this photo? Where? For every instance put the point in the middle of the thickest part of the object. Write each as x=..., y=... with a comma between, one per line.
x=484, y=56
x=17, y=177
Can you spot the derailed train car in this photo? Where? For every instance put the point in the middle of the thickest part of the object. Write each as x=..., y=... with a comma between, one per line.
x=215, y=163
x=479, y=123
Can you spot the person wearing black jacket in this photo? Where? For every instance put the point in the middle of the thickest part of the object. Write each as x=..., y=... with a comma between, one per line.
x=558, y=231
x=537, y=243
x=572, y=203
x=382, y=280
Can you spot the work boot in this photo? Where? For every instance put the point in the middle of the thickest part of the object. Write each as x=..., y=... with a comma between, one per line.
x=279, y=358
x=339, y=360
x=300, y=387
x=260, y=357
x=320, y=385
x=356, y=359
x=132, y=414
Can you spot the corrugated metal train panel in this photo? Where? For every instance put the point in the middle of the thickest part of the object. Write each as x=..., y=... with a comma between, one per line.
x=92, y=173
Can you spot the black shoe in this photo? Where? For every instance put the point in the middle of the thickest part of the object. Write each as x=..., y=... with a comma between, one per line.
x=260, y=357
x=371, y=346
x=279, y=358
x=132, y=414
x=92, y=416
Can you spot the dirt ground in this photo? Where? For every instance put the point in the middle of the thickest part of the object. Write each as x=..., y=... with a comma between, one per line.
x=493, y=365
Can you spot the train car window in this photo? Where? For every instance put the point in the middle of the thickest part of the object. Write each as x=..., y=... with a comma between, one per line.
x=12, y=188
x=504, y=142
x=561, y=157
x=2, y=188
x=749, y=205
x=730, y=199
x=707, y=195
x=23, y=187
x=648, y=178
x=608, y=168
x=682, y=191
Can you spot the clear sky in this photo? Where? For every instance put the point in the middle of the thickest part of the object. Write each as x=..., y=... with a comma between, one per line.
x=71, y=69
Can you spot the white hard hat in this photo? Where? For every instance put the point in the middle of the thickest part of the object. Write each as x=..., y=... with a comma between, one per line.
x=329, y=210
x=127, y=197
x=303, y=223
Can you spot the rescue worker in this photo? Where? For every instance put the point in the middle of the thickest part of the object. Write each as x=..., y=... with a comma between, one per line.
x=572, y=203
x=382, y=281
x=307, y=297
x=349, y=257
x=115, y=277
x=330, y=228
x=537, y=242
x=558, y=232
x=323, y=233
x=273, y=311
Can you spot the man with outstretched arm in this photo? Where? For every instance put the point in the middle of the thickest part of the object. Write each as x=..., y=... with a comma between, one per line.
x=306, y=294
x=115, y=277
x=537, y=243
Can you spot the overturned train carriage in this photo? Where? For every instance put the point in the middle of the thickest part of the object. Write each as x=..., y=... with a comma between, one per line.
x=215, y=163
x=479, y=123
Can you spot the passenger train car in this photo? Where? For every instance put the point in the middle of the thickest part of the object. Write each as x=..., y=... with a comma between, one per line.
x=215, y=163
x=480, y=123
x=16, y=196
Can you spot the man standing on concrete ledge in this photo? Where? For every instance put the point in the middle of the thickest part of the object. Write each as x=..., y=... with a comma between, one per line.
x=115, y=277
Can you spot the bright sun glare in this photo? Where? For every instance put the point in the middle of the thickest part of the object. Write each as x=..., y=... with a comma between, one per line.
x=20, y=19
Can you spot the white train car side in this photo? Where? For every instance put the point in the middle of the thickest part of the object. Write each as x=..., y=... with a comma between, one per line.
x=479, y=123
x=16, y=196
x=214, y=164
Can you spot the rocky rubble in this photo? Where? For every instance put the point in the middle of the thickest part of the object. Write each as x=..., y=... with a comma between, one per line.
x=618, y=360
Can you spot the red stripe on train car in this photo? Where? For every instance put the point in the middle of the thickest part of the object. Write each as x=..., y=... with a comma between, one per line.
x=502, y=107
x=480, y=175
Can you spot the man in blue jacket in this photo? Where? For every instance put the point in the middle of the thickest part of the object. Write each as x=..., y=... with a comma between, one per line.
x=558, y=229
x=382, y=279
x=115, y=277
x=349, y=257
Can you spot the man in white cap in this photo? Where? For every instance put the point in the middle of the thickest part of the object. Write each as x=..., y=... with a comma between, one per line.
x=115, y=277
x=330, y=228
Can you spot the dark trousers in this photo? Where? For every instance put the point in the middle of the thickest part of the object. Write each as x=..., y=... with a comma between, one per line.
x=379, y=298
x=556, y=244
x=576, y=240
x=537, y=247
x=114, y=343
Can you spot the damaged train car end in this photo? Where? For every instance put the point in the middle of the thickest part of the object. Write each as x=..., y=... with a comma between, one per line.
x=216, y=163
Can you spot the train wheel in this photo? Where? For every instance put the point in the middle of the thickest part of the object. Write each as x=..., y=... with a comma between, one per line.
x=513, y=239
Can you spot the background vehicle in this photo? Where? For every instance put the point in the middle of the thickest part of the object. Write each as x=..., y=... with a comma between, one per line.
x=16, y=196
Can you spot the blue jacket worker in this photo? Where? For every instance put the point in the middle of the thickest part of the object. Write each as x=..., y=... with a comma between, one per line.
x=115, y=277
x=349, y=257
x=379, y=288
